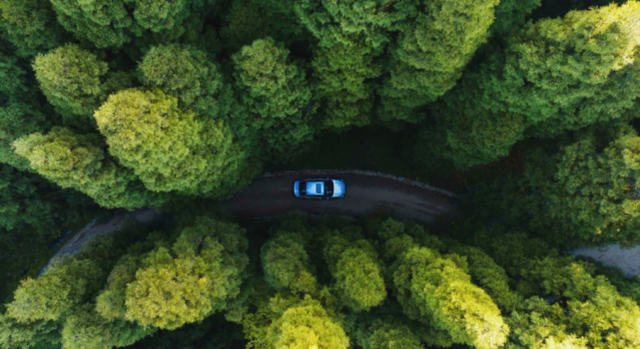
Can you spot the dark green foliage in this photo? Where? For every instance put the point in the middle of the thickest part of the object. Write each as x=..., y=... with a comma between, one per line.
x=554, y=75
x=114, y=23
x=511, y=15
x=277, y=92
x=17, y=119
x=250, y=20
x=30, y=25
x=431, y=53
x=190, y=75
x=586, y=190
x=341, y=73
x=179, y=104
x=28, y=203
x=333, y=22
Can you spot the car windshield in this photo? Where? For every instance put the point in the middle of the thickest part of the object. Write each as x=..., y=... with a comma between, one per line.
x=328, y=188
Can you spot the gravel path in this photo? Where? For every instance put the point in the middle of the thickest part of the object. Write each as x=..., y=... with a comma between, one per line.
x=612, y=255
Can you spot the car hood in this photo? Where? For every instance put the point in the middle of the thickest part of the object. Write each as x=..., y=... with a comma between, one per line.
x=338, y=188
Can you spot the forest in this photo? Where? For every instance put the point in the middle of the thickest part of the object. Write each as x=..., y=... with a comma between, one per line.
x=524, y=108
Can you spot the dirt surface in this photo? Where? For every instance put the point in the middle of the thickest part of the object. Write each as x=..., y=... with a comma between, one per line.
x=273, y=195
x=612, y=255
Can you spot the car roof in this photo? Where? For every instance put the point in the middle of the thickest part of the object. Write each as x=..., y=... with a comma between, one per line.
x=315, y=188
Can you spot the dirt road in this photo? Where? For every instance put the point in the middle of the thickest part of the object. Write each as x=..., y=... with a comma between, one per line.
x=273, y=195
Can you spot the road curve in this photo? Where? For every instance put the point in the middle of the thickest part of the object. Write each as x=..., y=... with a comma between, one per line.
x=367, y=192
x=272, y=195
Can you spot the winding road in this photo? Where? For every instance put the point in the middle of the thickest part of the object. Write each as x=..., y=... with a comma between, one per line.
x=367, y=192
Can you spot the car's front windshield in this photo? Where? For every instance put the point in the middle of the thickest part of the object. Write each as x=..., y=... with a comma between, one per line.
x=328, y=188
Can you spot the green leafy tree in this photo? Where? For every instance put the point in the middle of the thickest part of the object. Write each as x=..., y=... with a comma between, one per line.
x=436, y=291
x=306, y=326
x=286, y=263
x=431, y=53
x=490, y=276
x=32, y=335
x=353, y=262
x=251, y=20
x=30, y=25
x=56, y=292
x=283, y=322
x=277, y=92
x=333, y=22
x=554, y=75
x=386, y=333
x=201, y=272
x=190, y=75
x=115, y=23
x=587, y=190
x=110, y=304
x=511, y=15
x=72, y=80
x=167, y=147
x=18, y=119
x=77, y=161
x=85, y=328
x=341, y=75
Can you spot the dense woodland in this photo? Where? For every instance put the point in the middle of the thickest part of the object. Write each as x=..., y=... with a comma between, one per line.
x=525, y=108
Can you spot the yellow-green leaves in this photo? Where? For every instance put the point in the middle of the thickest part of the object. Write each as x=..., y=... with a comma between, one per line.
x=72, y=79
x=167, y=147
x=195, y=278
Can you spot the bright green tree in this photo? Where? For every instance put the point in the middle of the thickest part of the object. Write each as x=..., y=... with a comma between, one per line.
x=77, y=161
x=201, y=272
x=306, y=325
x=436, y=291
x=72, y=79
x=431, y=53
x=167, y=147
x=490, y=276
x=270, y=85
x=554, y=75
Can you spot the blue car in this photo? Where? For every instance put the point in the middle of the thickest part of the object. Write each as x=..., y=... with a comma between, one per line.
x=319, y=188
